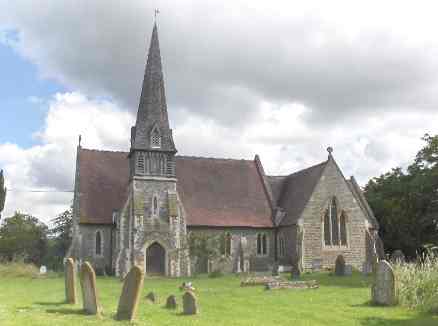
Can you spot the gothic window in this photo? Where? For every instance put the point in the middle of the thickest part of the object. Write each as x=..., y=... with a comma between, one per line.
x=155, y=138
x=262, y=244
x=281, y=246
x=98, y=243
x=155, y=206
x=228, y=244
x=140, y=163
x=335, y=229
x=343, y=227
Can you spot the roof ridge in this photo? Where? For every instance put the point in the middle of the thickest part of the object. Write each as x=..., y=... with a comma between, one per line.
x=213, y=158
x=102, y=150
x=306, y=169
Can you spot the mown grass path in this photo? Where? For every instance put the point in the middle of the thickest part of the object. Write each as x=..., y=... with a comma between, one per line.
x=339, y=301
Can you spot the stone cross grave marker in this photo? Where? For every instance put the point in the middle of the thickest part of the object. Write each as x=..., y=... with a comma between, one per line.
x=190, y=305
x=171, y=302
x=383, y=289
x=130, y=296
x=90, y=298
x=340, y=266
x=70, y=281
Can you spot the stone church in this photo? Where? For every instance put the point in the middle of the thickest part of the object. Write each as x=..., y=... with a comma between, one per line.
x=138, y=207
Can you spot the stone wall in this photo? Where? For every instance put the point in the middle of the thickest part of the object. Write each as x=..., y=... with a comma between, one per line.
x=229, y=264
x=289, y=234
x=87, y=234
x=332, y=183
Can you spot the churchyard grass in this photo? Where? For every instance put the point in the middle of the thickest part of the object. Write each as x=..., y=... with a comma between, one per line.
x=339, y=301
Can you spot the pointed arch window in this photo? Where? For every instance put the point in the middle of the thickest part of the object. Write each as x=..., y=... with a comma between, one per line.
x=98, y=243
x=262, y=244
x=226, y=245
x=281, y=246
x=155, y=205
x=155, y=138
x=334, y=225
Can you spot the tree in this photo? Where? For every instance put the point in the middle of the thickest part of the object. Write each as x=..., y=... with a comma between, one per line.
x=2, y=193
x=406, y=202
x=204, y=246
x=24, y=236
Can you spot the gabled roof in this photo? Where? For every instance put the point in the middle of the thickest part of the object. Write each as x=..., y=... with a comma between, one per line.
x=103, y=184
x=292, y=192
x=363, y=203
x=214, y=192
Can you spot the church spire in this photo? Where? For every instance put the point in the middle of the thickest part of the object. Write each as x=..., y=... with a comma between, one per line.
x=152, y=131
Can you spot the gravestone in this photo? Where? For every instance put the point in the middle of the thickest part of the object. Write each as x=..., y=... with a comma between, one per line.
x=316, y=265
x=90, y=298
x=152, y=297
x=383, y=289
x=70, y=281
x=43, y=270
x=348, y=270
x=190, y=305
x=398, y=257
x=130, y=296
x=171, y=302
x=295, y=272
x=340, y=266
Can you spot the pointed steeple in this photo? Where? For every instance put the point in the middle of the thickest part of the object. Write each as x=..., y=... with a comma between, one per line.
x=152, y=131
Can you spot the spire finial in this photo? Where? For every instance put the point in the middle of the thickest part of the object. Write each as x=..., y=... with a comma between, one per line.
x=80, y=140
x=156, y=12
x=330, y=150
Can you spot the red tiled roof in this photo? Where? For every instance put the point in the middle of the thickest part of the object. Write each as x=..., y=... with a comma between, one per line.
x=214, y=192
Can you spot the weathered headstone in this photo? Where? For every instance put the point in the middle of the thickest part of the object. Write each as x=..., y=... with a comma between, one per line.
x=340, y=266
x=316, y=264
x=70, y=281
x=130, y=296
x=43, y=270
x=190, y=305
x=398, y=257
x=295, y=272
x=348, y=270
x=90, y=298
x=152, y=297
x=383, y=289
x=171, y=302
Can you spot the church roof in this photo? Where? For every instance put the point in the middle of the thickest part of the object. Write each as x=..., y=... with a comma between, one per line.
x=292, y=192
x=214, y=192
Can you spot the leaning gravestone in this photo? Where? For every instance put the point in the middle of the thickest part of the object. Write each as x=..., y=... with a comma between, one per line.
x=90, y=299
x=190, y=306
x=383, y=289
x=340, y=266
x=171, y=302
x=70, y=281
x=398, y=257
x=130, y=296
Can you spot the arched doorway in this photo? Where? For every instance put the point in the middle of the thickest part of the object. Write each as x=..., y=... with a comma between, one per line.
x=155, y=259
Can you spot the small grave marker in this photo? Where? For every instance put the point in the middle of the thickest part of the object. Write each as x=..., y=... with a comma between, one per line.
x=171, y=302
x=340, y=266
x=152, y=297
x=70, y=281
x=190, y=305
x=43, y=270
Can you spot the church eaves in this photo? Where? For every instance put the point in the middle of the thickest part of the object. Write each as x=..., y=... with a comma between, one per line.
x=152, y=109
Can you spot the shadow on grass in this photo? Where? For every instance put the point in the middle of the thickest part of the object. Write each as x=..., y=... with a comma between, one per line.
x=66, y=311
x=61, y=303
x=426, y=320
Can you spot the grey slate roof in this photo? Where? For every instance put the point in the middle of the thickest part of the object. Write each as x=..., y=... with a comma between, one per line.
x=152, y=110
x=292, y=192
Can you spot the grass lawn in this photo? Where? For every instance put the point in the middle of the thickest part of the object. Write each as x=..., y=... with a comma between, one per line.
x=338, y=301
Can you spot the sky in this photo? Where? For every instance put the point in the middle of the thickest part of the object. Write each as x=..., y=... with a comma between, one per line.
x=283, y=79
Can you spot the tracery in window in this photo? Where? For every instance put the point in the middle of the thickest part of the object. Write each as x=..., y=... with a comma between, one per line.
x=262, y=244
x=281, y=246
x=335, y=229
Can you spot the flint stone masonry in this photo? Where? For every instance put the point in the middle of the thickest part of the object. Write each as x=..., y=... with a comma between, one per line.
x=313, y=284
x=70, y=281
x=340, y=266
x=90, y=299
x=383, y=289
x=190, y=305
x=130, y=296
x=171, y=302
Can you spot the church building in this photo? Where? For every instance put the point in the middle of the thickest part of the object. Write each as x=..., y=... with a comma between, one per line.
x=138, y=207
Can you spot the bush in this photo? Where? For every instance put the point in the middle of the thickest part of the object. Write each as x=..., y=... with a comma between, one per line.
x=215, y=274
x=18, y=269
x=417, y=284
